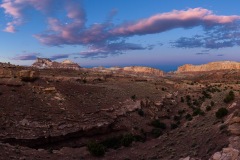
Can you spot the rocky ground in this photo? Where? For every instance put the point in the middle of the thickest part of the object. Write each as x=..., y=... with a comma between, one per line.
x=93, y=114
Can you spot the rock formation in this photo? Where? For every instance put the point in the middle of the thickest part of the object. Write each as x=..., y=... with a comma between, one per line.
x=143, y=70
x=222, y=65
x=42, y=63
x=28, y=75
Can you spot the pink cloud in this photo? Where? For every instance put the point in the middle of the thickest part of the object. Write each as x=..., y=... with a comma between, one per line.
x=76, y=33
x=175, y=19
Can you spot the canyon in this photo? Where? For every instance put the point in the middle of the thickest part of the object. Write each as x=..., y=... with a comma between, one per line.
x=54, y=110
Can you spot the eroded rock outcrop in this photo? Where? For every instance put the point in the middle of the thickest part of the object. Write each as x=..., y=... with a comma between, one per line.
x=42, y=63
x=232, y=152
x=143, y=70
x=222, y=65
x=28, y=75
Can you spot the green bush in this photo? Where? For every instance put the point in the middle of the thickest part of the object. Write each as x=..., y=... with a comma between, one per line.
x=140, y=112
x=230, y=97
x=188, y=117
x=156, y=132
x=208, y=108
x=221, y=112
x=174, y=126
x=182, y=99
x=133, y=97
x=127, y=140
x=113, y=142
x=158, y=124
x=176, y=118
x=206, y=95
x=212, y=103
x=198, y=111
x=96, y=149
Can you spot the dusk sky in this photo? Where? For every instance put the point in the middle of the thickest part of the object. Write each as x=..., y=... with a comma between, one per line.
x=156, y=33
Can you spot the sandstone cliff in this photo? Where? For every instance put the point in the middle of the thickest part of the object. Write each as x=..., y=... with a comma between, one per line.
x=143, y=70
x=47, y=63
x=222, y=65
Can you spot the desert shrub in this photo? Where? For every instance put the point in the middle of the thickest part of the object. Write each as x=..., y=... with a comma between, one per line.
x=198, y=111
x=174, y=126
x=84, y=81
x=158, y=124
x=181, y=112
x=133, y=97
x=139, y=138
x=182, y=99
x=230, y=97
x=206, y=95
x=188, y=117
x=221, y=112
x=188, y=98
x=140, y=112
x=127, y=140
x=142, y=104
x=113, y=142
x=208, y=108
x=96, y=149
x=156, y=132
x=176, y=118
x=196, y=102
x=212, y=103
x=164, y=89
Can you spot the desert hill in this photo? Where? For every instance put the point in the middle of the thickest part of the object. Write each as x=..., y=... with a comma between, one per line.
x=118, y=113
x=213, y=66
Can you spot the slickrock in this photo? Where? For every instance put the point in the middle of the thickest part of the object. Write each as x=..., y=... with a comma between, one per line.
x=221, y=65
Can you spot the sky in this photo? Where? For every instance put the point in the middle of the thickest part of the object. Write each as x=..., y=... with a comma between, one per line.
x=162, y=34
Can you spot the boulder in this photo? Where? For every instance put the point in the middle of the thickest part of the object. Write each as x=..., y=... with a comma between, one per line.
x=226, y=154
x=234, y=128
x=28, y=75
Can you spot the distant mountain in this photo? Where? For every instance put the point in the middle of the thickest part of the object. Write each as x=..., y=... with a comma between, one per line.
x=213, y=66
x=47, y=63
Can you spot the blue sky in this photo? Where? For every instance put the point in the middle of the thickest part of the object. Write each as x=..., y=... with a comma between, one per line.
x=157, y=33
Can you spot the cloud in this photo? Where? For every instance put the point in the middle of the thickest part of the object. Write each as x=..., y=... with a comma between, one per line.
x=215, y=38
x=185, y=42
x=175, y=19
x=15, y=9
x=105, y=38
x=115, y=48
x=26, y=57
x=202, y=53
x=105, y=34
x=34, y=56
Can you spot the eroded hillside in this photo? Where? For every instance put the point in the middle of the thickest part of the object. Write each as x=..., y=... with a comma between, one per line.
x=92, y=114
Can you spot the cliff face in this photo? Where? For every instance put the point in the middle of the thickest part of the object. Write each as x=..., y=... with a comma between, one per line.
x=47, y=63
x=222, y=65
x=143, y=70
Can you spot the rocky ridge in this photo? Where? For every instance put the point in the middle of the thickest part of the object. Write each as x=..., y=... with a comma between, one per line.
x=213, y=66
x=143, y=70
x=44, y=63
x=131, y=70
